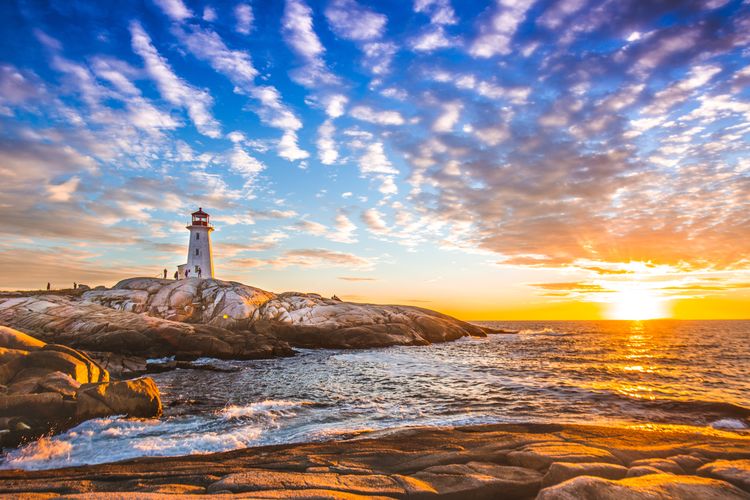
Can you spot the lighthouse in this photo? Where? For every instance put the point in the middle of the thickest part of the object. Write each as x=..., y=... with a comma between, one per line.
x=200, y=262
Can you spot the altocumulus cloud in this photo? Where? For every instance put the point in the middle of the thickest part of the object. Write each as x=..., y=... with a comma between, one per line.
x=555, y=134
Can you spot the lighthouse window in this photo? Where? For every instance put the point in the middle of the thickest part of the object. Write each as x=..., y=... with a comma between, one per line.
x=197, y=236
x=197, y=251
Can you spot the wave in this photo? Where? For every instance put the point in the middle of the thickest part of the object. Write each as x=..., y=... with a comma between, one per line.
x=696, y=411
x=269, y=408
x=550, y=332
x=113, y=439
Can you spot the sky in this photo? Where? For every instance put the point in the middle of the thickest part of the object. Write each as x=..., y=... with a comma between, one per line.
x=516, y=159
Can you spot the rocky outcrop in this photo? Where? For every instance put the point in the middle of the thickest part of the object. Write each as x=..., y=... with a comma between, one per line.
x=650, y=487
x=466, y=462
x=309, y=320
x=736, y=472
x=303, y=320
x=223, y=304
x=48, y=387
x=151, y=317
x=94, y=327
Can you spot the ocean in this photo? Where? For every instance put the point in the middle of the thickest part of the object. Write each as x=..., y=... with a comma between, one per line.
x=617, y=373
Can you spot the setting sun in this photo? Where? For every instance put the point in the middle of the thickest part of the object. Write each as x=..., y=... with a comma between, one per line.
x=637, y=305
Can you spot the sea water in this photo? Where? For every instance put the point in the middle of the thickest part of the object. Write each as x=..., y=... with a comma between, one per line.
x=693, y=373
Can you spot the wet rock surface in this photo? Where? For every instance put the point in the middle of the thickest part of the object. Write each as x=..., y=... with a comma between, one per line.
x=46, y=388
x=464, y=462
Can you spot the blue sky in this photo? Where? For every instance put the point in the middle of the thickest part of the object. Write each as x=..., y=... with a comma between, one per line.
x=520, y=153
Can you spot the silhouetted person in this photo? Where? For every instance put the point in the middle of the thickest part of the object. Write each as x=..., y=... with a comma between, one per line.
x=200, y=272
x=75, y=285
x=187, y=273
x=165, y=273
x=48, y=286
x=176, y=275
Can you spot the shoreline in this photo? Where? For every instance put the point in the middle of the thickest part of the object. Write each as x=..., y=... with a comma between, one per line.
x=479, y=460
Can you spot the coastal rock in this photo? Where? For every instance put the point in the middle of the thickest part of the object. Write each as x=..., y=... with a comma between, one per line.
x=357, y=484
x=481, y=480
x=409, y=463
x=121, y=366
x=541, y=455
x=562, y=471
x=134, y=398
x=13, y=339
x=224, y=304
x=151, y=317
x=651, y=487
x=644, y=470
x=93, y=327
x=52, y=387
x=309, y=320
x=662, y=464
x=736, y=472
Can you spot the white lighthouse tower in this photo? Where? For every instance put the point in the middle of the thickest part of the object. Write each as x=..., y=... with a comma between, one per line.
x=200, y=262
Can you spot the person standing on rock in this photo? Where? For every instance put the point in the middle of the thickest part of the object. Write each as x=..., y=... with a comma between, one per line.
x=48, y=286
x=187, y=273
x=75, y=285
x=200, y=273
x=176, y=275
x=165, y=273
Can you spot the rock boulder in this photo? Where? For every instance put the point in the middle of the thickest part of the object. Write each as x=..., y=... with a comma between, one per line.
x=52, y=387
x=651, y=487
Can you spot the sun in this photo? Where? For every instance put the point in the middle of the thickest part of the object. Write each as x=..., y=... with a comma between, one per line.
x=637, y=305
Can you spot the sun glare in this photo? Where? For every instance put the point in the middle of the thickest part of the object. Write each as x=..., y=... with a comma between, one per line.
x=637, y=305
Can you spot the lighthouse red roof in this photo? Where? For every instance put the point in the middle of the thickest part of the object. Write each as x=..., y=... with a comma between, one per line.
x=199, y=212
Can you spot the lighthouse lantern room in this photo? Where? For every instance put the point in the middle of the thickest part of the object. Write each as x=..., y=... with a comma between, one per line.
x=200, y=263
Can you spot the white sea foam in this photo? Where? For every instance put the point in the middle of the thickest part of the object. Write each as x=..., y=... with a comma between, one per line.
x=729, y=423
x=109, y=440
x=269, y=408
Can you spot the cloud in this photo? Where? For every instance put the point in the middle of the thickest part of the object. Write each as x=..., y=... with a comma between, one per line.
x=431, y=40
x=172, y=88
x=209, y=14
x=571, y=287
x=351, y=21
x=556, y=15
x=244, y=15
x=373, y=219
x=175, y=9
x=63, y=191
x=378, y=56
x=344, y=230
x=496, y=33
x=368, y=114
x=355, y=278
x=238, y=67
x=18, y=87
x=374, y=161
x=299, y=34
x=327, y=152
x=348, y=19
x=311, y=258
x=310, y=227
x=33, y=268
x=449, y=117
x=243, y=164
x=440, y=11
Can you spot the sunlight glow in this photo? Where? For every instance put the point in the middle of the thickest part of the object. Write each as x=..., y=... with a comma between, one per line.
x=637, y=305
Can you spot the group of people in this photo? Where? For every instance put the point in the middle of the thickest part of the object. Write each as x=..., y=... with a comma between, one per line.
x=199, y=272
x=75, y=286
